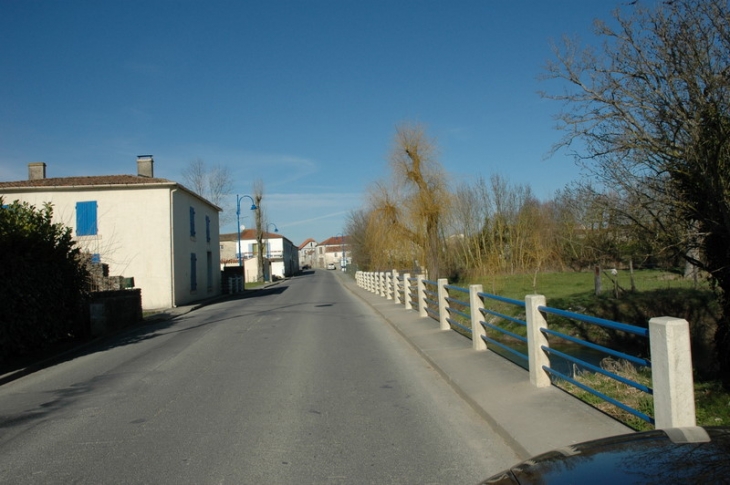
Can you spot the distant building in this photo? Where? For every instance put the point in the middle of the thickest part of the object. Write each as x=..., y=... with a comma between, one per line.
x=308, y=253
x=151, y=229
x=282, y=257
x=333, y=250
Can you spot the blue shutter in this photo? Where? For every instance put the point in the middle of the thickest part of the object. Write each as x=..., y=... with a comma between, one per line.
x=86, y=218
x=207, y=228
x=193, y=272
x=192, y=222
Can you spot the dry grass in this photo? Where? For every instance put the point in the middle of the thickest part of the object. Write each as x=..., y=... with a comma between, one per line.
x=712, y=403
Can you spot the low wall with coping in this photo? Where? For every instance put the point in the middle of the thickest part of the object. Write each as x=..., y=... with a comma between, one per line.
x=110, y=311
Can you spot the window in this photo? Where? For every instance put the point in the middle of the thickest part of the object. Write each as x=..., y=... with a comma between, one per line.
x=96, y=258
x=86, y=218
x=192, y=222
x=193, y=272
x=207, y=229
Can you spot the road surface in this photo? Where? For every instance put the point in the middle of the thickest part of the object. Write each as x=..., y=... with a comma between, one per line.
x=301, y=384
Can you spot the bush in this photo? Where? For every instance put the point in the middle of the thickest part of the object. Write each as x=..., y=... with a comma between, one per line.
x=42, y=281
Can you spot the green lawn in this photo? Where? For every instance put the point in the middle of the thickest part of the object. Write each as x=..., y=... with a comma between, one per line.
x=570, y=284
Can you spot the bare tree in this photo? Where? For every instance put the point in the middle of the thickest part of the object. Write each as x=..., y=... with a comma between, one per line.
x=652, y=108
x=213, y=183
x=417, y=172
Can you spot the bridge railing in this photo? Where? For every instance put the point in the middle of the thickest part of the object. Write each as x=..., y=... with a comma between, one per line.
x=489, y=321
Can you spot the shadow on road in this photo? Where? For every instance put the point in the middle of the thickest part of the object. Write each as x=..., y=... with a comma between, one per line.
x=147, y=329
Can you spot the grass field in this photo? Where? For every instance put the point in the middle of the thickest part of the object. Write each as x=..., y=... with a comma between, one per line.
x=572, y=284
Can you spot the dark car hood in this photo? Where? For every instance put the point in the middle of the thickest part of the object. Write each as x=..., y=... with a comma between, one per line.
x=679, y=455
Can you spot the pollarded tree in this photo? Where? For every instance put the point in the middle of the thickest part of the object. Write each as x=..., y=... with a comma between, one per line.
x=651, y=107
x=258, y=196
x=422, y=182
x=42, y=283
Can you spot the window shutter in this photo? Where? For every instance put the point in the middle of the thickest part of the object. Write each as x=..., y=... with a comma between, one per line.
x=86, y=218
x=192, y=222
x=193, y=272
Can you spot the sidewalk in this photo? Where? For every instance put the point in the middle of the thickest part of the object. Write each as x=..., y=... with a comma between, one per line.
x=531, y=420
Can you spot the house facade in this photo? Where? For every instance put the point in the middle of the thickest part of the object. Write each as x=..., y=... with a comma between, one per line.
x=280, y=255
x=333, y=251
x=154, y=230
x=308, y=254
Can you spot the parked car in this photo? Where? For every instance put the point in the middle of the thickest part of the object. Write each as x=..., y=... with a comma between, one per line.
x=669, y=456
x=331, y=266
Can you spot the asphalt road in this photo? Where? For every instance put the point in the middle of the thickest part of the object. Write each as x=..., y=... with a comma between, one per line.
x=301, y=384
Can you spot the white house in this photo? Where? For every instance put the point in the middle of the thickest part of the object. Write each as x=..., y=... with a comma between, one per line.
x=333, y=251
x=153, y=230
x=280, y=253
x=308, y=253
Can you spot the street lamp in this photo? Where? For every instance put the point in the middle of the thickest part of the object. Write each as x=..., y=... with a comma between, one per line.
x=239, y=198
x=268, y=243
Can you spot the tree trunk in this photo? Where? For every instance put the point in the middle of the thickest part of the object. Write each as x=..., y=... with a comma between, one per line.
x=722, y=346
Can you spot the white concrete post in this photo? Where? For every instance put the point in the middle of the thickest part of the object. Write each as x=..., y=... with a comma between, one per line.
x=381, y=283
x=407, y=291
x=388, y=285
x=477, y=329
x=535, y=340
x=443, y=293
x=396, y=287
x=421, y=295
x=671, y=372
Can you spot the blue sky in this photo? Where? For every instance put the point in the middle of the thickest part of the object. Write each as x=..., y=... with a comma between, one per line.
x=303, y=95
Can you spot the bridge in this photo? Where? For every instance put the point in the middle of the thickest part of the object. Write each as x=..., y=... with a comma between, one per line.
x=313, y=380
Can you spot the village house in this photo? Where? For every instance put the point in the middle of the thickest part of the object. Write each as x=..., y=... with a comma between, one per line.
x=281, y=258
x=153, y=230
x=307, y=254
x=333, y=251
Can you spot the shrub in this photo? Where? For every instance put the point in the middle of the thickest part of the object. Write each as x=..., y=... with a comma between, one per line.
x=42, y=280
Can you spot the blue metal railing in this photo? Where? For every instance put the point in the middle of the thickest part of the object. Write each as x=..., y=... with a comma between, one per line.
x=622, y=327
x=502, y=331
x=414, y=294
x=581, y=363
x=452, y=310
x=505, y=333
x=431, y=299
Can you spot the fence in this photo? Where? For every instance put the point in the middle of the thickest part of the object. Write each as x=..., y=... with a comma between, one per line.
x=476, y=315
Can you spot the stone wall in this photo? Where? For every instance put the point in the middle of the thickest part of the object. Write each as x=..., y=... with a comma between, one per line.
x=110, y=311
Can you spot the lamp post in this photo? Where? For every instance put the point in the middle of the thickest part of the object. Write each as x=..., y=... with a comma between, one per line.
x=239, y=198
x=268, y=243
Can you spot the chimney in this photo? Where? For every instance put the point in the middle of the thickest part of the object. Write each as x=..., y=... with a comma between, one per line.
x=36, y=171
x=145, y=166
